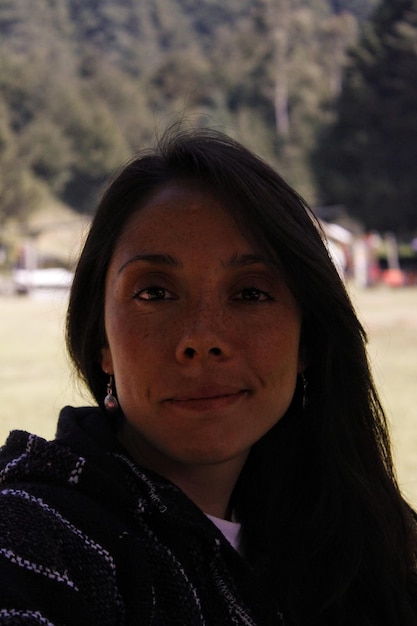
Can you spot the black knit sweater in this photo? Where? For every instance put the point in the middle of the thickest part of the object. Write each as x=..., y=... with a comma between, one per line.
x=89, y=538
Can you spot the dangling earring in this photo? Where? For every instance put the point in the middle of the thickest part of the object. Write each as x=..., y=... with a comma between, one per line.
x=110, y=401
x=305, y=385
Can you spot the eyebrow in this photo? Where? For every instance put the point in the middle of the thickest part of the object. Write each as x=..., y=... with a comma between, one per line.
x=236, y=260
x=243, y=260
x=153, y=259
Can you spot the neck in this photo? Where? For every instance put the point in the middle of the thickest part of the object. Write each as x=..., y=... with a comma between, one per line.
x=208, y=485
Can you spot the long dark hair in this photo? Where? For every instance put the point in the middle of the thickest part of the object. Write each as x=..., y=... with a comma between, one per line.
x=325, y=527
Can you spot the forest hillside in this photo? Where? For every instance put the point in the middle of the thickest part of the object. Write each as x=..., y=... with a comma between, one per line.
x=85, y=83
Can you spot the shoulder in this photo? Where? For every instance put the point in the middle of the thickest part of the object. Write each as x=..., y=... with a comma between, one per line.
x=47, y=560
x=62, y=550
x=45, y=514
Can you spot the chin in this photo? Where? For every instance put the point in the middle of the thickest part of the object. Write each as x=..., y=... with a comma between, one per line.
x=205, y=455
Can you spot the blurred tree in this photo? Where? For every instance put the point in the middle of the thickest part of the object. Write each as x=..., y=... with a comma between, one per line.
x=359, y=8
x=280, y=16
x=46, y=151
x=19, y=192
x=367, y=159
x=308, y=49
x=85, y=82
x=97, y=145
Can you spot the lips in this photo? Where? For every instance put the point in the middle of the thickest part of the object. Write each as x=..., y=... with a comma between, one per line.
x=207, y=392
x=206, y=398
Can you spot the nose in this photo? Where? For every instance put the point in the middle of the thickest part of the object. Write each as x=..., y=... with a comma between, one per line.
x=204, y=336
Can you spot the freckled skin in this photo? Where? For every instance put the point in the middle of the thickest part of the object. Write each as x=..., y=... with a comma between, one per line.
x=203, y=339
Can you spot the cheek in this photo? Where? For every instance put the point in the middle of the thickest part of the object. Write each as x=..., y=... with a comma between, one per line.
x=280, y=351
x=133, y=344
x=107, y=361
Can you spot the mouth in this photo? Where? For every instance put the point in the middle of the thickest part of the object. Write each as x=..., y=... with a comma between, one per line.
x=205, y=400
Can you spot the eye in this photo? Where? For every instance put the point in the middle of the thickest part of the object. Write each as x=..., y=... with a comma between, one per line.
x=154, y=293
x=253, y=294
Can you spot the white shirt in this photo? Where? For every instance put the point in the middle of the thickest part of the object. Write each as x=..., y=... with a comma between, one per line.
x=231, y=530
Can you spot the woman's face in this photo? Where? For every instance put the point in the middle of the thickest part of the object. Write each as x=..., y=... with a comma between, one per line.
x=203, y=336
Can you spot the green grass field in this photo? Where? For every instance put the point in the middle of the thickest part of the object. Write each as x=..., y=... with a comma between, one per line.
x=35, y=379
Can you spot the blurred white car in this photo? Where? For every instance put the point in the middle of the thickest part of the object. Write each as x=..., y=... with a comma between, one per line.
x=25, y=281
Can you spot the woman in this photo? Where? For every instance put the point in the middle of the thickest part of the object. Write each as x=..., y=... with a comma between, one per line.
x=237, y=469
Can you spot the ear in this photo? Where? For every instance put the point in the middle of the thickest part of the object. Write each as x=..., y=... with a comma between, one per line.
x=106, y=361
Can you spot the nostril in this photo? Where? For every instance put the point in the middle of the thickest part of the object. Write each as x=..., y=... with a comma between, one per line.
x=191, y=352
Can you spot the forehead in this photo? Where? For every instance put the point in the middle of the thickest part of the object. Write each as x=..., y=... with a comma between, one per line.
x=180, y=213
